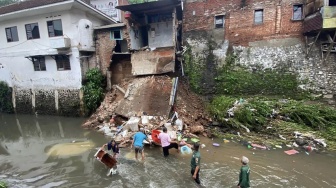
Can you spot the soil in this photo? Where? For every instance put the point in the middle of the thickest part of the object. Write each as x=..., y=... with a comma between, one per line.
x=189, y=106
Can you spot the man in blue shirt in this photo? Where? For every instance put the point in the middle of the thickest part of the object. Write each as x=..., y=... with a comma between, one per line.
x=137, y=142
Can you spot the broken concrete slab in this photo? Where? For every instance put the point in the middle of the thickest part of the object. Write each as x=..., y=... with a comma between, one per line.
x=153, y=62
x=149, y=94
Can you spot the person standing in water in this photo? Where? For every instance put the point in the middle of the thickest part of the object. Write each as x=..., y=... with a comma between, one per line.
x=166, y=142
x=137, y=142
x=195, y=162
x=113, y=147
x=244, y=175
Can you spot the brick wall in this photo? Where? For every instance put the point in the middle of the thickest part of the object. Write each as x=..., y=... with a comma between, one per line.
x=239, y=22
x=104, y=49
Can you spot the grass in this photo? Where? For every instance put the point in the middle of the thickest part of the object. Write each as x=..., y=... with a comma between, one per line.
x=3, y=184
x=292, y=115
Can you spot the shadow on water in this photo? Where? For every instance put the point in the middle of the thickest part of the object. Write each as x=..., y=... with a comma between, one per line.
x=49, y=151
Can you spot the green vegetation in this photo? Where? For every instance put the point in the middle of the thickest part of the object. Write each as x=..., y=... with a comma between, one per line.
x=93, y=90
x=193, y=68
x=286, y=116
x=5, y=98
x=3, y=184
x=238, y=80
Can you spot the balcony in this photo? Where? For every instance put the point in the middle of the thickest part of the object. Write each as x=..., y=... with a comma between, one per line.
x=60, y=42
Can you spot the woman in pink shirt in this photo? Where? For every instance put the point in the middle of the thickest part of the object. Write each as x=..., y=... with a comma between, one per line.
x=166, y=142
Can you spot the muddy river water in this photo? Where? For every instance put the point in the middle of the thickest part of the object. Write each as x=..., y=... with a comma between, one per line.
x=47, y=151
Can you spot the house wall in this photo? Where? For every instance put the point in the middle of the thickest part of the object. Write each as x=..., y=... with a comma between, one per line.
x=163, y=35
x=50, y=91
x=274, y=44
x=135, y=38
x=239, y=28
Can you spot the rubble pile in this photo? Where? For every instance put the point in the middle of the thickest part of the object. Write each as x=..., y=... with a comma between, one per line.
x=187, y=118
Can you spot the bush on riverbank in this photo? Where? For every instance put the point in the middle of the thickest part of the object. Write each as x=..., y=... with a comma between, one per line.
x=3, y=184
x=5, y=98
x=93, y=90
x=259, y=113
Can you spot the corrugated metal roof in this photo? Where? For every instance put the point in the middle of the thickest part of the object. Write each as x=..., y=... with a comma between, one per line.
x=312, y=23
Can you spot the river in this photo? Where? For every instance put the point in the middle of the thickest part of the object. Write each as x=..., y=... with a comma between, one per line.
x=50, y=151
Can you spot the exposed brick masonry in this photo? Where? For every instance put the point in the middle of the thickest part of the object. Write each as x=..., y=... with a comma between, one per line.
x=239, y=22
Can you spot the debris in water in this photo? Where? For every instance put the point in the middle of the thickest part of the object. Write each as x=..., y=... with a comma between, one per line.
x=291, y=152
x=215, y=144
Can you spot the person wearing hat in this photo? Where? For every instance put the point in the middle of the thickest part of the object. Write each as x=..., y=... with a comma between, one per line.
x=137, y=142
x=167, y=143
x=244, y=175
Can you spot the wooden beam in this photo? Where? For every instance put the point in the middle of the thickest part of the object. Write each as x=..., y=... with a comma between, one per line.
x=332, y=42
x=310, y=47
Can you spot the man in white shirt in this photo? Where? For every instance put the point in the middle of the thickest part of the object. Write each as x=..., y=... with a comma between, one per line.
x=167, y=143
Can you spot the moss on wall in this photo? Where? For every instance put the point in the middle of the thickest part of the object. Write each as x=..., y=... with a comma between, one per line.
x=5, y=98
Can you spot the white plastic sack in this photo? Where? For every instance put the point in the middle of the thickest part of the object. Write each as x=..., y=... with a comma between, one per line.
x=179, y=124
x=144, y=120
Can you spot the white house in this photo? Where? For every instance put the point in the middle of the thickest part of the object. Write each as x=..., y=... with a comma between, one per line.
x=44, y=47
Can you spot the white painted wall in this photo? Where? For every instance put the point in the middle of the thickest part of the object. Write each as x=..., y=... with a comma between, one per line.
x=19, y=72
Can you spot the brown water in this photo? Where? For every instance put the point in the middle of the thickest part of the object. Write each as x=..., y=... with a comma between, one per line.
x=40, y=152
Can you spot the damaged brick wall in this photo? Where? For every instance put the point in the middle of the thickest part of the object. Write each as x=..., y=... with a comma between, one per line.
x=104, y=49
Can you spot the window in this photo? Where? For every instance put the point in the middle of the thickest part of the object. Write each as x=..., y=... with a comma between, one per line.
x=62, y=62
x=12, y=34
x=297, y=12
x=258, y=16
x=39, y=63
x=331, y=3
x=55, y=28
x=116, y=35
x=219, y=21
x=32, y=31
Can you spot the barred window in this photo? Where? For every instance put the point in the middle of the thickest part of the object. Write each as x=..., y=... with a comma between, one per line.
x=39, y=63
x=62, y=62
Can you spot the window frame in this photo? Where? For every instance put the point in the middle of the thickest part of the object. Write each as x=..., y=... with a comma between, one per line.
x=64, y=61
x=300, y=5
x=41, y=61
x=262, y=16
x=223, y=21
x=38, y=29
x=112, y=34
x=53, y=27
x=11, y=33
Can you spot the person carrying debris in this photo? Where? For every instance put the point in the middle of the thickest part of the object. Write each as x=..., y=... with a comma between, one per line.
x=244, y=175
x=113, y=147
x=166, y=142
x=137, y=142
x=195, y=162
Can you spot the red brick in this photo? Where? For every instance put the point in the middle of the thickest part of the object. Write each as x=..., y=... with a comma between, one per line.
x=239, y=22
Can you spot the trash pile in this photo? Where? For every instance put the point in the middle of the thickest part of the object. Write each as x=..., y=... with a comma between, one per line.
x=123, y=132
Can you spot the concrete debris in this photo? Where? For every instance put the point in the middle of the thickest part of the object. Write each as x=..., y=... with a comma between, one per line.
x=120, y=89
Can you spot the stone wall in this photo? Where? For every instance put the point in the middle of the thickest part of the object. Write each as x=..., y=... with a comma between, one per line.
x=290, y=54
x=63, y=102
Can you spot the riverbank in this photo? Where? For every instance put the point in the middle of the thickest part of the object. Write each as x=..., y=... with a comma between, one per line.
x=269, y=122
x=275, y=123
